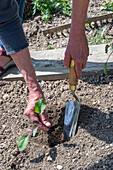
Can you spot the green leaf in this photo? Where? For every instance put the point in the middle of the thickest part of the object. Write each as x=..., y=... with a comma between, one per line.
x=49, y=47
x=35, y=131
x=22, y=142
x=40, y=106
x=106, y=48
x=105, y=69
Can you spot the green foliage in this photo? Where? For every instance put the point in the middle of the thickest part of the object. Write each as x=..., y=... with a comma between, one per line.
x=108, y=6
x=105, y=69
x=49, y=47
x=35, y=131
x=48, y=7
x=40, y=106
x=106, y=51
x=106, y=48
x=22, y=142
x=99, y=37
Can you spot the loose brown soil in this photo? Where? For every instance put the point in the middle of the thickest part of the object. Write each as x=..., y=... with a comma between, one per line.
x=34, y=26
x=91, y=148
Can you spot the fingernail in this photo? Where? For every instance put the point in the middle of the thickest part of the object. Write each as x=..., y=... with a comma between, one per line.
x=48, y=124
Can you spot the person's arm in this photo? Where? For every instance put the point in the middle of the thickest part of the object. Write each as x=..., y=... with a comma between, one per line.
x=15, y=43
x=77, y=47
x=24, y=64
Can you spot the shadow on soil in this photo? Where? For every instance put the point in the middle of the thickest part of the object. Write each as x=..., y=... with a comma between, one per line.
x=52, y=153
x=95, y=122
x=91, y=119
x=105, y=163
x=98, y=79
x=38, y=160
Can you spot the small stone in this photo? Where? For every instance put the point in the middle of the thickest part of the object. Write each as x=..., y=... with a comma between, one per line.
x=69, y=154
x=59, y=166
x=110, y=83
x=3, y=126
x=54, y=42
x=98, y=101
x=107, y=146
x=5, y=96
x=21, y=165
x=111, y=144
x=42, y=82
x=108, y=126
x=107, y=117
x=49, y=159
x=73, y=160
x=44, y=146
x=94, y=103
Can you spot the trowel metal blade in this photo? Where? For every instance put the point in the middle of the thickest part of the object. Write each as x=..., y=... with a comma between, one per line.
x=71, y=118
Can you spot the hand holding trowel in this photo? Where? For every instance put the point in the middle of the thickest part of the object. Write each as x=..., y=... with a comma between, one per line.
x=72, y=107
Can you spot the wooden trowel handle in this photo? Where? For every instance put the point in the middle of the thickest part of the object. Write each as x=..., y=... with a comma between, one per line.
x=73, y=81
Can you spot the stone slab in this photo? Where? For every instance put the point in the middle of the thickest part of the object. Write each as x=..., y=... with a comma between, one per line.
x=49, y=65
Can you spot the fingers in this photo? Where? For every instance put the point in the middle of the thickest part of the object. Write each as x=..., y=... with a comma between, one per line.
x=42, y=127
x=79, y=60
x=67, y=59
x=78, y=68
x=45, y=120
x=77, y=49
x=34, y=118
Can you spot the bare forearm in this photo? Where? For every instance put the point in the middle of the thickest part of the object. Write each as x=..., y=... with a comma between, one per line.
x=77, y=48
x=24, y=64
x=79, y=12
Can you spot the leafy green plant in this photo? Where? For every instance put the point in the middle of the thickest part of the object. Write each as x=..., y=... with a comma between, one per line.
x=99, y=37
x=108, y=6
x=39, y=107
x=106, y=51
x=48, y=7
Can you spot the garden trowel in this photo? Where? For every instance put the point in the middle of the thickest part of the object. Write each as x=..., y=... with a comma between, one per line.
x=72, y=107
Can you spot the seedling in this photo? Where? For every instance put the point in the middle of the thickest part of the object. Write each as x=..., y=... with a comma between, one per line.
x=39, y=107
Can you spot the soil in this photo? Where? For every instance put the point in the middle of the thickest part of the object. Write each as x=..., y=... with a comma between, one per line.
x=90, y=149
x=34, y=26
x=92, y=146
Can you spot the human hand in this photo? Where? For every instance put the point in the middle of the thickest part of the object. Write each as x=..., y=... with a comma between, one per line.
x=41, y=120
x=77, y=49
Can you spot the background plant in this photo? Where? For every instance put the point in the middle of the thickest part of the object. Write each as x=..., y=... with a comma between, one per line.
x=48, y=7
x=107, y=47
x=99, y=36
x=108, y=7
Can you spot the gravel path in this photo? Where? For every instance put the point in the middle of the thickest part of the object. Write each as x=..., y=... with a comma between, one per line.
x=90, y=149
